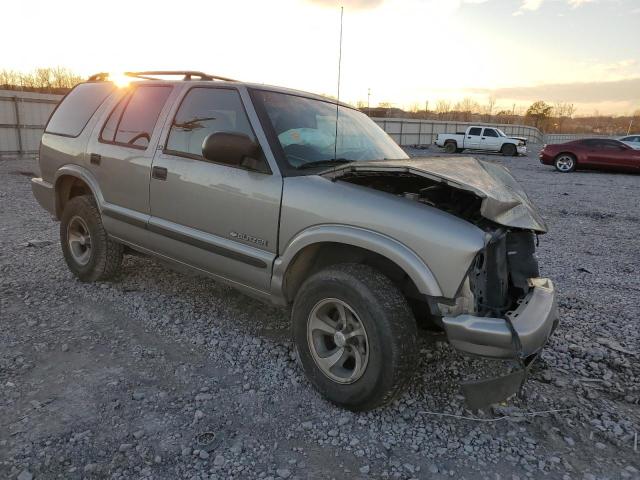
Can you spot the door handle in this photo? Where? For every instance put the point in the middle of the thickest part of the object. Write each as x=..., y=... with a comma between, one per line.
x=95, y=158
x=483, y=138
x=159, y=173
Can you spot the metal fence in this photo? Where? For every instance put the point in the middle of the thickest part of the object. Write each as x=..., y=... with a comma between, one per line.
x=407, y=131
x=23, y=116
x=567, y=137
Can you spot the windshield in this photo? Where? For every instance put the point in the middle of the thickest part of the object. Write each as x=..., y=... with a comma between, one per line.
x=306, y=129
x=500, y=132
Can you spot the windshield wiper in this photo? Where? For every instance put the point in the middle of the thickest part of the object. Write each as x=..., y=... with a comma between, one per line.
x=323, y=163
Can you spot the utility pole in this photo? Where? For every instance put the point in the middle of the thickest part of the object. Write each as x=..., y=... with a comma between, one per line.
x=426, y=108
x=368, y=101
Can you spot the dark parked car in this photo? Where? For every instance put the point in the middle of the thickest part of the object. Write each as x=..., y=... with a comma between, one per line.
x=591, y=153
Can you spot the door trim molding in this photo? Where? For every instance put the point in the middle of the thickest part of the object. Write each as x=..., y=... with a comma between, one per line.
x=184, y=238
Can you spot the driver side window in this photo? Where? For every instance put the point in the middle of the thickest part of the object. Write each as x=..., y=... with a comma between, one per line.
x=204, y=111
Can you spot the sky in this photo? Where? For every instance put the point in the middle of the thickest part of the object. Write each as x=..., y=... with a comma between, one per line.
x=407, y=52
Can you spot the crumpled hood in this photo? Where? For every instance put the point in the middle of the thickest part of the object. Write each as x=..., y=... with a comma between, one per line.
x=503, y=199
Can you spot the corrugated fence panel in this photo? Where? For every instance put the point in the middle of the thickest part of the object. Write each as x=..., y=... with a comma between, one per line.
x=23, y=116
x=8, y=140
x=7, y=111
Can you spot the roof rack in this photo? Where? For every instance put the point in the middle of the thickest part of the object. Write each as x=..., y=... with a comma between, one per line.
x=187, y=75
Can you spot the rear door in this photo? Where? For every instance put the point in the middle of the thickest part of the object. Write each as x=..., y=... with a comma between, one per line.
x=473, y=138
x=490, y=140
x=218, y=217
x=121, y=151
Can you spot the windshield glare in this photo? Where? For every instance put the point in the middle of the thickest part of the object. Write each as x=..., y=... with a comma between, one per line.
x=306, y=129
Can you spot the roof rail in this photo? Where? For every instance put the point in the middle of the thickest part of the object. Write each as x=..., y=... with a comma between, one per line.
x=150, y=75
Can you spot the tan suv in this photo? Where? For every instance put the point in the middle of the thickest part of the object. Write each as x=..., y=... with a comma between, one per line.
x=300, y=201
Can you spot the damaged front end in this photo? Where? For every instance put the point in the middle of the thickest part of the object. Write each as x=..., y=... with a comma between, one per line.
x=503, y=309
x=510, y=312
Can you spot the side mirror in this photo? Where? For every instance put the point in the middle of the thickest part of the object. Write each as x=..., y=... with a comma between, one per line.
x=235, y=149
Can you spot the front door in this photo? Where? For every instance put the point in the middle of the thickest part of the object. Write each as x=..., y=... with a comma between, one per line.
x=612, y=154
x=490, y=140
x=218, y=217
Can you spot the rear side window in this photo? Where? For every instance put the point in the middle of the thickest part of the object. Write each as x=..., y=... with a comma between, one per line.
x=475, y=131
x=132, y=121
x=73, y=114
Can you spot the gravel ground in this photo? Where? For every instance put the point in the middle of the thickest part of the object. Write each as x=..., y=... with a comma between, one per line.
x=164, y=375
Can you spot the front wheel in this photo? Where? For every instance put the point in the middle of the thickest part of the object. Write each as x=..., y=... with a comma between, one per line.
x=90, y=254
x=509, y=150
x=565, y=163
x=355, y=335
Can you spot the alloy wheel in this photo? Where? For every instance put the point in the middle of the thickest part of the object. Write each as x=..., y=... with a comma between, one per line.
x=79, y=240
x=337, y=341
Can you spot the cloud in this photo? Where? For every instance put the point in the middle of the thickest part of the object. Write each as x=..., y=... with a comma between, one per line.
x=577, y=3
x=533, y=5
x=349, y=4
x=627, y=90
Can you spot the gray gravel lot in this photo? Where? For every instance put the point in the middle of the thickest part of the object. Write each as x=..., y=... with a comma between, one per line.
x=164, y=375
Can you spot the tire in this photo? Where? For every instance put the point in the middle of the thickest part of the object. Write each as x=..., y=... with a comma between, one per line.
x=387, y=348
x=90, y=254
x=450, y=147
x=565, y=163
x=509, y=150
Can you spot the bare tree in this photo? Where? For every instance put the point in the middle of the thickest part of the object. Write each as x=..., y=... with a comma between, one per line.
x=491, y=105
x=467, y=107
x=563, y=111
x=443, y=107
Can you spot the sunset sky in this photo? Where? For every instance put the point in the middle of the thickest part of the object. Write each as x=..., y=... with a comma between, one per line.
x=407, y=51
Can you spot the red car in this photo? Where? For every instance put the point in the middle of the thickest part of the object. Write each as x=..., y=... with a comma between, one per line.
x=591, y=153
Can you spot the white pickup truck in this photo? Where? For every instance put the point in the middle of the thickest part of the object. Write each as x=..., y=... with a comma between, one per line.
x=488, y=139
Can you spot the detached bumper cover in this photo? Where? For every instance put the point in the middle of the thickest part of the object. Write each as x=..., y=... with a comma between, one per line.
x=45, y=194
x=533, y=321
x=520, y=337
x=522, y=150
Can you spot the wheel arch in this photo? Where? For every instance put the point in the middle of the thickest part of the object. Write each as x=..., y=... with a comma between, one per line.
x=321, y=246
x=71, y=181
x=575, y=157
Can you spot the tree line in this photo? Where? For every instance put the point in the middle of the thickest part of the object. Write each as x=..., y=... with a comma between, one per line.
x=42, y=80
x=558, y=117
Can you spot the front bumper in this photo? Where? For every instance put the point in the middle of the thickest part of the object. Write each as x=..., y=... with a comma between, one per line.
x=520, y=336
x=45, y=194
x=522, y=149
x=533, y=321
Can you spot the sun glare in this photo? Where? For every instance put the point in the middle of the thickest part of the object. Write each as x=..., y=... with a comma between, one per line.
x=120, y=79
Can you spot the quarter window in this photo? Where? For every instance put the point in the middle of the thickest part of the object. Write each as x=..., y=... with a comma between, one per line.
x=134, y=126
x=475, y=131
x=205, y=111
x=73, y=114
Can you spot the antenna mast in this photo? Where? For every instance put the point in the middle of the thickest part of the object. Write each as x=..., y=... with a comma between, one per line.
x=335, y=143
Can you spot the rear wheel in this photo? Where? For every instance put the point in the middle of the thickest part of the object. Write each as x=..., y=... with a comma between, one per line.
x=509, y=150
x=565, y=163
x=450, y=147
x=355, y=335
x=88, y=251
